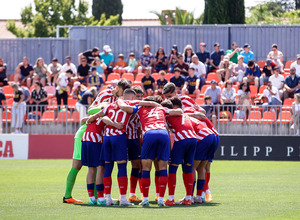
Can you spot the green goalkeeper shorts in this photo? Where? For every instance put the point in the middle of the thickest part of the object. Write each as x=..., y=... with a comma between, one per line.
x=77, y=142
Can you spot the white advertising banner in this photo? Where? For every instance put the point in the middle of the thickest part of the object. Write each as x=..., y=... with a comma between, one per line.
x=14, y=146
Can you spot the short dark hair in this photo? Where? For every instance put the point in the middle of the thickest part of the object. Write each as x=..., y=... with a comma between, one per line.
x=176, y=101
x=153, y=99
x=95, y=49
x=250, y=62
x=138, y=90
x=39, y=84
x=158, y=99
x=68, y=58
x=168, y=104
x=169, y=87
x=83, y=58
x=124, y=84
x=69, y=71
x=54, y=59
x=129, y=92
x=207, y=97
x=275, y=68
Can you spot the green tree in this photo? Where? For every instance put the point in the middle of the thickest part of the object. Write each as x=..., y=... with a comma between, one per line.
x=109, y=7
x=50, y=13
x=236, y=11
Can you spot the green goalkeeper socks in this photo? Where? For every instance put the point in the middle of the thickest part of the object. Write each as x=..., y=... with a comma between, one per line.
x=70, y=182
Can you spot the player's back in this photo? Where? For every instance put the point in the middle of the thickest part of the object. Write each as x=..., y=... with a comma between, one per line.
x=200, y=128
x=94, y=131
x=187, y=101
x=132, y=127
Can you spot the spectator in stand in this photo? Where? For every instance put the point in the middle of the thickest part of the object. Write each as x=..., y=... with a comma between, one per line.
x=291, y=84
x=208, y=106
x=188, y=53
x=239, y=70
x=173, y=58
x=225, y=70
x=24, y=72
x=40, y=71
x=132, y=63
x=178, y=80
x=86, y=100
x=276, y=56
x=120, y=64
x=243, y=100
x=83, y=71
x=95, y=79
x=200, y=70
x=191, y=85
x=161, y=60
x=161, y=82
x=148, y=82
x=204, y=56
x=214, y=92
x=3, y=77
x=69, y=66
x=108, y=58
x=26, y=93
x=18, y=110
x=252, y=73
x=184, y=67
x=2, y=105
x=99, y=65
x=277, y=80
x=296, y=113
x=228, y=97
x=62, y=87
x=38, y=98
x=272, y=94
x=296, y=64
x=54, y=69
x=266, y=72
x=78, y=90
x=216, y=56
x=89, y=54
x=146, y=59
x=233, y=53
x=247, y=53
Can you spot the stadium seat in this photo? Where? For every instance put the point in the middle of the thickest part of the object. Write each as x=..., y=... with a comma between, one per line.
x=155, y=76
x=63, y=116
x=75, y=117
x=254, y=117
x=269, y=117
x=210, y=77
x=224, y=116
x=52, y=104
x=288, y=102
x=32, y=88
x=128, y=76
x=138, y=79
x=261, y=63
x=6, y=116
x=169, y=76
x=111, y=77
x=261, y=90
x=285, y=75
x=71, y=102
x=287, y=65
x=253, y=91
x=203, y=89
x=235, y=120
x=51, y=91
x=284, y=117
x=200, y=101
x=33, y=121
x=48, y=116
x=8, y=91
x=11, y=77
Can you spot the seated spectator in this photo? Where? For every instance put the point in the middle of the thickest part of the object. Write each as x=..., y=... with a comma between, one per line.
x=296, y=64
x=173, y=58
x=266, y=72
x=296, y=114
x=90, y=55
x=54, y=69
x=191, y=85
x=146, y=59
x=247, y=53
x=86, y=100
x=184, y=67
x=95, y=79
x=200, y=70
x=233, y=53
x=161, y=60
x=204, y=56
x=243, y=101
x=291, y=84
x=239, y=70
x=69, y=66
x=216, y=56
x=276, y=56
x=225, y=70
x=214, y=92
x=62, y=87
x=132, y=63
x=40, y=71
x=24, y=72
x=208, y=106
x=120, y=64
x=148, y=82
x=277, y=80
x=161, y=82
x=83, y=71
x=252, y=73
x=228, y=97
x=18, y=109
x=272, y=95
x=99, y=65
x=188, y=53
x=178, y=80
x=78, y=90
x=108, y=58
x=38, y=98
x=3, y=77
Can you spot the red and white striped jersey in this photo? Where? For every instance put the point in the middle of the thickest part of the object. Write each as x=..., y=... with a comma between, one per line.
x=105, y=96
x=94, y=131
x=181, y=126
x=132, y=127
x=152, y=118
x=187, y=101
x=200, y=128
x=117, y=115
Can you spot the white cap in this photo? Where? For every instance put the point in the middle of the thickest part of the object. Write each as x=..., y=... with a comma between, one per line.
x=115, y=81
x=106, y=48
x=240, y=56
x=226, y=58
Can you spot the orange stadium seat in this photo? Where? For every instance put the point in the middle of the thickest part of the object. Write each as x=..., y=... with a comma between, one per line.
x=128, y=76
x=288, y=101
x=261, y=90
x=48, y=116
x=253, y=91
x=71, y=102
x=254, y=117
x=8, y=91
x=111, y=77
x=210, y=77
x=169, y=76
x=203, y=89
x=138, y=79
x=6, y=116
x=75, y=117
x=63, y=116
x=224, y=116
x=284, y=117
x=235, y=120
x=11, y=77
x=51, y=90
x=33, y=121
x=288, y=64
x=200, y=101
x=155, y=76
x=269, y=117
x=261, y=63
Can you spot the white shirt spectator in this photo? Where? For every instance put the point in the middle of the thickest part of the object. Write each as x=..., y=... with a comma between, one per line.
x=277, y=81
x=297, y=67
x=229, y=94
x=72, y=67
x=267, y=94
x=63, y=80
x=199, y=69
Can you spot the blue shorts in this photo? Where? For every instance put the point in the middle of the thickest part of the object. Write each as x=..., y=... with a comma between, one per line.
x=90, y=154
x=114, y=148
x=205, y=148
x=134, y=149
x=183, y=151
x=156, y=144
x=216, y=145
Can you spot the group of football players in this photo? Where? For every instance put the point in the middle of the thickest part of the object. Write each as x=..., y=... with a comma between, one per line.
x=123, y=126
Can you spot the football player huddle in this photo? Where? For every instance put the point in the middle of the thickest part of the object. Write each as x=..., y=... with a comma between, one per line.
x=123, y=127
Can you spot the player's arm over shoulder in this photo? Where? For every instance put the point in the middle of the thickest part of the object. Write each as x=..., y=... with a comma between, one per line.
x=94, y=117
x=125, y=107
x=106, y=120
x=149, y=104
x=197, y=115
x=175, y=112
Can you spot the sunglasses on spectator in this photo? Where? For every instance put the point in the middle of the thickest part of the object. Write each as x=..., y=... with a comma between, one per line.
x=83, y=60
x=68, y=61
x=188, y=49
x=160, y=51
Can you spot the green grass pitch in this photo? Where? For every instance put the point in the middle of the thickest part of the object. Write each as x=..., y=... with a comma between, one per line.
x=33, y=189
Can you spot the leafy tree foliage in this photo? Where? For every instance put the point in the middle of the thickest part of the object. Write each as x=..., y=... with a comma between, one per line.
x=109, y=7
